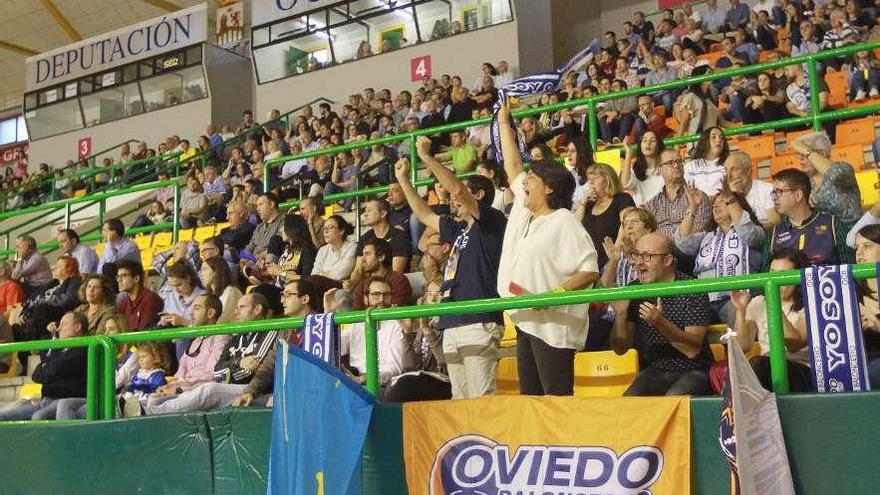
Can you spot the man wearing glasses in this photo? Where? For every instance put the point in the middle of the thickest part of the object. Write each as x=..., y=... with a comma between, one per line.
x=668, y=332
x=137, y=303
x=803, y=228
x=670, y=205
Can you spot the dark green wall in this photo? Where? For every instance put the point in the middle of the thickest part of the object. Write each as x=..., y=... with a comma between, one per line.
x=833, y=442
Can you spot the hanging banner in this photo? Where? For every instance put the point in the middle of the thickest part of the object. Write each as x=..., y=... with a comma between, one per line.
x=548, y=446
x=158, y=35
x=264, y=11
x=834, y=330
x=229, y=25
x=14, y=153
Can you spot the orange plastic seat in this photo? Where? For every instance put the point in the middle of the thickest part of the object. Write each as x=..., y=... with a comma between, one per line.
x=854, y=154
x=791, y=136
x=859, y=131
x=758, y=147
x=782, y=162
x=837, y=88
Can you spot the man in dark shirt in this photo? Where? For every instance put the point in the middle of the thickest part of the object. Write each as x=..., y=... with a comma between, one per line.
x=668, y=332
x=375, y=216
x=62, y=373
x=376, y=256
x=400, y=212
x=476, y=232
x=239, y=233
x=643, y=28
x=137, y=303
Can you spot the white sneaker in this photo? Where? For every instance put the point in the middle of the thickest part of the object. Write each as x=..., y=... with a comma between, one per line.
x=131, y=406
x=860, y=95
x=873, y=93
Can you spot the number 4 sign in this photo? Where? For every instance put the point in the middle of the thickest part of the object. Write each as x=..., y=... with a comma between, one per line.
x=420, y=68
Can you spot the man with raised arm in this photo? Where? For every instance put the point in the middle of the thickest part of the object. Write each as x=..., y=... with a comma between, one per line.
x=476, y=232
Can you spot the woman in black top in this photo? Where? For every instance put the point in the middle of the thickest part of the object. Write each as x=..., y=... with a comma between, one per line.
x=599, y=210
x=291, y=255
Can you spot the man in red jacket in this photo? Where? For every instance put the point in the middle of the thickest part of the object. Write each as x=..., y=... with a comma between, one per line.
x=140, y=305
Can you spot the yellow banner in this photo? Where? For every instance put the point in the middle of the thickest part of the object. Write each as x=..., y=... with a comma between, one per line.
x=548, y=446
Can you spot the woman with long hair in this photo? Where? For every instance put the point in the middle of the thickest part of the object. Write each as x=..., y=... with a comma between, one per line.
x=705, y=170
x=730, y=244
x=335, y=260
x=98, y=302
x=291, y=255
x=751, y=325
x=868, y=251
x=547, y=339
x=578, y=160
x=599, y=210
x=640, y=174
x=218, y=280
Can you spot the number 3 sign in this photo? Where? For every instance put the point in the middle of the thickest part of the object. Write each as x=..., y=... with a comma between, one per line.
x=84, y=147
x=420, y=68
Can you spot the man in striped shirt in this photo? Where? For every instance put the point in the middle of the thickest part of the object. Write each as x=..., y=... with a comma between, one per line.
x=841, y=34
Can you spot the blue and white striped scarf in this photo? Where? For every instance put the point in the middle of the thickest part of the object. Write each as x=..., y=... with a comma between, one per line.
x=536, y=84
x=320, y=338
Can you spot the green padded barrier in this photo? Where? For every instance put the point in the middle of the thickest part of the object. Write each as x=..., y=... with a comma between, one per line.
x=709, y=472
x=240, y=445
x=383, y=469
x=168, y=455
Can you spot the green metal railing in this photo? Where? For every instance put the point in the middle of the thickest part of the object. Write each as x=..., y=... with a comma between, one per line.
x=816, y=117
x=770, y=283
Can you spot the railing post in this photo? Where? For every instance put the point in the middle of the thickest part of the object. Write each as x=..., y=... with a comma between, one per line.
x=370, y=334
x=54, y=194
x=776, y=334
x=91, y=386
x=357, y=206
x=67, y=219
x=109, y=377
x=102, y=209
x=8, y=240
x=266, y=169
x=592, y=123
x=813, y=73
x=413, y=160
x=175, y=230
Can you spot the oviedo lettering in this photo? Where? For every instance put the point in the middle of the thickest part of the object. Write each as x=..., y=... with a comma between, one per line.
x=476, y=465
x=114, y=49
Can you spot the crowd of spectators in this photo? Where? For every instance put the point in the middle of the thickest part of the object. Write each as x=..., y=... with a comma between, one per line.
x=668, y=214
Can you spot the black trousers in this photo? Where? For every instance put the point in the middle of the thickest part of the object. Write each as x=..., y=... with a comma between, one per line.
x=799, y=379
x=543, y=369
x=415, y=388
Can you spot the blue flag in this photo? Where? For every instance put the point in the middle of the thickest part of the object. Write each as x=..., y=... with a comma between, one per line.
x=319, y=424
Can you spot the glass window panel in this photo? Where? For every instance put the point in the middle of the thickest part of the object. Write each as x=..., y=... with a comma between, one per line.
x=112, y=104
x=392, y=30
x=289, y=28
x=477, y=14
x=297, y=56
x=129, y=73
x=348, y=39
x=434, y=20
x=175, y=87
x=22, y=129
x=54, y=119
x=30, y=101
x=194, y=55
x=260, y=36
x=7, y=131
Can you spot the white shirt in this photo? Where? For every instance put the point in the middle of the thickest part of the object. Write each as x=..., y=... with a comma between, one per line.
x=765, y=5
x=643, y=190
x=335, y=264
x=539, y=254
x=86, y=257
x=756, y=311
x=705, y=175
x=760, y=199
x=395, y=357
x=502, y=79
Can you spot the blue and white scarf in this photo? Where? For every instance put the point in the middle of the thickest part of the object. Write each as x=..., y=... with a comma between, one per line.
x=321, y=338
x=536, y=84
x=724, y=254
x=834, y=329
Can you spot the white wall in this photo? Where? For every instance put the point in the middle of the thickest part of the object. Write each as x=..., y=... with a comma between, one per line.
x=461, y=54
x=188, y=121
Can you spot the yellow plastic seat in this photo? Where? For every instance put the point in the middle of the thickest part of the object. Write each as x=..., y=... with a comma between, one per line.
x=507, y=382
x=604, y=373
x=162, y=240
x=508, y=339
x=329, y=210
x=185, y=235
x=142, y=241
x=868, y=181
x=719, y=351
x=147, y=258
x=203, y=233
x=219, y=227
x=717, y=328
x=31, y=391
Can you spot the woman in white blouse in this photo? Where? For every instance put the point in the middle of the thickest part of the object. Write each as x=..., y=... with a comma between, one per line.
x=218, y=281
x=335, y=259
x=545, y=249
x=705, y=170
x=640, y=174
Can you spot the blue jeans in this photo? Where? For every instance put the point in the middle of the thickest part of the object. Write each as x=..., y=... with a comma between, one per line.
x=654, y=381
x=617, y=128
x=44, y=409
x=860, y=82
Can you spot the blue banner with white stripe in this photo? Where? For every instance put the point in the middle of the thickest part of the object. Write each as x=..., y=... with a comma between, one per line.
x=834, y=329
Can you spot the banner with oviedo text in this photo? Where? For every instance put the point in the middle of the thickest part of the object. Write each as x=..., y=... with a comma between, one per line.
x=548, y=446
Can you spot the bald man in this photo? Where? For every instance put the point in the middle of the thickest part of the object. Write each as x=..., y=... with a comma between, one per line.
x=671, y=330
